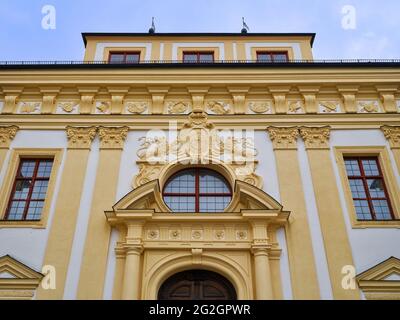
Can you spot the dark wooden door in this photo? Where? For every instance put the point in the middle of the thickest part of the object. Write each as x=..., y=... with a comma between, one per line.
x=197, y=285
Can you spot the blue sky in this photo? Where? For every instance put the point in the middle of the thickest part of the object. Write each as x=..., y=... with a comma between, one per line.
x=22, y=37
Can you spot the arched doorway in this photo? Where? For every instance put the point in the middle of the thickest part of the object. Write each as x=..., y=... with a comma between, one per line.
x=197, y=285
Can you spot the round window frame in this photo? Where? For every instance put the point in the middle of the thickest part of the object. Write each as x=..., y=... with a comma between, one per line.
x=197, y=194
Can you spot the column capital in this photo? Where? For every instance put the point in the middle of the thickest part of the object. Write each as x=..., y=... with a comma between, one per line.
x=316, y=137
x=112, y=137
x=80, y=137
x=283, y=137
x=7, y=134
x=133, y=250
x=392, y=134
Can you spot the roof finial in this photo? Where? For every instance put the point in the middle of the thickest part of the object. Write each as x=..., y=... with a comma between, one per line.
x=153, y=26
x=245, y=27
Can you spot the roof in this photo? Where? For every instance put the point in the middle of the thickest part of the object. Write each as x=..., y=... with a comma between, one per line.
x=85, y=35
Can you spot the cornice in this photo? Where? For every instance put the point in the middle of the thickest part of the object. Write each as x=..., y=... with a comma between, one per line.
x=80, y=137
x=315, y=137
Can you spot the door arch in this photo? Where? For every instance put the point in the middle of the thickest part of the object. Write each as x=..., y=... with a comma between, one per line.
x=197, y=285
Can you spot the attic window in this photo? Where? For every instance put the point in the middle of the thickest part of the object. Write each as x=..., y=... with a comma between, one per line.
x=124, y=57
x=198, y=57
x=272, y=56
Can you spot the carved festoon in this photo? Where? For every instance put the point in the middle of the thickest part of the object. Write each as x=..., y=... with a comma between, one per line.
x=260, y=107
x=7, y=134
x=315, y=137
x=284, y=137
x=219, y=107
x=392, y=134
x=80, y=137
x=136, y=107
x=112, y=137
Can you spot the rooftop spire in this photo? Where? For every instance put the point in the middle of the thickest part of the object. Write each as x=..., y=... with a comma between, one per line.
x=153, y=26
x=245, y=27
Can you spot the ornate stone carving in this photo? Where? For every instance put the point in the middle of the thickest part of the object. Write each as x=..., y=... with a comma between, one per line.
x=368, y=107
x=153, y=234
x=177, y=107
x=7, y=134
x=68, y=106
x=197, y=234
x=112, y=137
x=219, y=234
x=284, y=138
x=218, y=107
x=86, y=104
x=260, y=107
x=328, y=107
x=136, y=107
x=10, y=104
x=103, y=107
x=29, y=107
x=117, y=103
x=392, y=134
x=80, y=137
x=198, y=141
x=295, y=107
x=175, y=234
x=280, y=103
x=48, y=104
x=316, y=137
x=241, y=235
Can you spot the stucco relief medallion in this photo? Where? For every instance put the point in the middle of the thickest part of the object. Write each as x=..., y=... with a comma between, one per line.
x=329, y=107
x=103, y=107
x=197, y=234
x=153, y=234
x=219, y=234
x=218, y=107
x=295, y=107
x=260, y=107
x=368, y=107
x=179, y=107
x=68, y=107
x=175, y=234
x=29, y=107
x=241, y=235
x=136, y=107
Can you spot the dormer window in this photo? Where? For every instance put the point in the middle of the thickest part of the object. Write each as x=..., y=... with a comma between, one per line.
x=124, y=57
x=198, y=57
x=272, y=56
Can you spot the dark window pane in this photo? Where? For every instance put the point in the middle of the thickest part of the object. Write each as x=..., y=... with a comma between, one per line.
x=22, y=189
x=211, y=182
x=352, y=168
x=382, y=211
x=362, y=210
x=180, y=203
x=370, y=167
x=40, y=189
x=27, y=169
x=132, y=58
x=117, y=58
x=206, y=57
x=375, y=187
x=190, y=57
x=279, y=57
x=264, y=57
x=183, y=182
x=213, y=204
x=16, y=211
x=357, y=188
x=35, y=210
x=44, y=169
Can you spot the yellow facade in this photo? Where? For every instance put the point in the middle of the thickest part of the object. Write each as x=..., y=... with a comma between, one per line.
x=118, y=132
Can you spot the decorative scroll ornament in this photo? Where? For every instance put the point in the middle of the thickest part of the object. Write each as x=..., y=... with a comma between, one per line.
x=68, y=106
x=103, y=107
x=6, y=135
x=316, y=137
x=136, y=107
x=369, y=107
x=177, y=107
x=283, y=138
x=260, y=107
x=392, y=134
x=197, y=142
x=80, y=137
x=329, y=107
x=218, y=107
x=295, y=107
x=29, y=107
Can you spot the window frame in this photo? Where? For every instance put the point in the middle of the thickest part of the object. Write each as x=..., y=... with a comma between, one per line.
x=364, y=179
x=7, y=184
x=197, y=194
x=198, y=53
x=387, y=170
x=271, y=54
x=125, y=53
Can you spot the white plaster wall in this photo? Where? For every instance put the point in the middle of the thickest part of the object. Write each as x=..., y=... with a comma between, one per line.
x=372, y=245
x=26, y=244
x=72, y=280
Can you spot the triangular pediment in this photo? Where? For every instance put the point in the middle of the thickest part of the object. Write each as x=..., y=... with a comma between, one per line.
x=387, y=270
x=11, y=268
x=149, y=197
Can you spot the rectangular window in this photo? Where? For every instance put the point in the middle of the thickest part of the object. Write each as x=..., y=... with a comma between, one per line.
x=368, y=189
x=124, y=57
x=272, y=56
x=198, y=57
x=29, y=190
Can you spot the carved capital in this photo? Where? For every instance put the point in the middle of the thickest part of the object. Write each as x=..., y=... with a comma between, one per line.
x=392, y=134
x=284, y=138
x=10, y=104
x=80, y=137
x=6, y=135
x=112, y=137
x=316, y=137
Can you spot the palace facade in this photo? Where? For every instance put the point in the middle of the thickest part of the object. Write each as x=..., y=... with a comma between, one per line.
x=200, y=166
